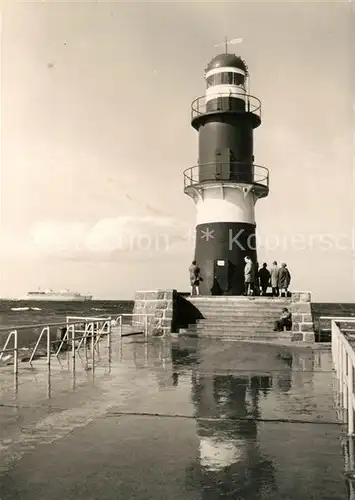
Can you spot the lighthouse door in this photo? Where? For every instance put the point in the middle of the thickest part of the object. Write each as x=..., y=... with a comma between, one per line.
x=221, y=276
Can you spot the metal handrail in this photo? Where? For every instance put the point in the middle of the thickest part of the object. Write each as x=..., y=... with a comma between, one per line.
x=42, y=325
x=97, y=327
x=66, y=337
x=89, y=329
x=120, y=323
x=45, y=330
x=13, y=334
x=343, y=356
x=199, y=105
x=337, y=318
x=207, y=172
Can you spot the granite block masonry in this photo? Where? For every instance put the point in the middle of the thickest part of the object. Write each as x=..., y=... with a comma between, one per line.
x=158, y=305
x=302, y=320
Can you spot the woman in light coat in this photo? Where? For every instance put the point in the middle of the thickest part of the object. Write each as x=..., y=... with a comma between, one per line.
x=248, y=276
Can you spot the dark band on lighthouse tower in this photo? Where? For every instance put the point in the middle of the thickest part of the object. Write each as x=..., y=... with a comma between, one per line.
x=225, y=184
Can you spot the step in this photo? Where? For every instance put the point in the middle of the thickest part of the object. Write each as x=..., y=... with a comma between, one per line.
x=227, y=320
x=231, y=326
x=243, y=335
x=241, y=305
x=242, y=332
x=250, y=339
x=239, y=298
x=246, y=310
x=241, y=302
x=244, y=303
x=237, y=320
x=237, y=331
x=240, y=314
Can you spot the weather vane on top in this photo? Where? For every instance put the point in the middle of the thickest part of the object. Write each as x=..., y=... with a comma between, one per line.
x=230, y=42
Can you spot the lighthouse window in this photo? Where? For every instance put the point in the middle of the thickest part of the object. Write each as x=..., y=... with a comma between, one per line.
x=225, y=78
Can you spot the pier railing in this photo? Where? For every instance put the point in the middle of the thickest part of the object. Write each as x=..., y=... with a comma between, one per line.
x=221, y=102
x=324, y=324
x=343, y=356
x=233, y=172
x=78, y=332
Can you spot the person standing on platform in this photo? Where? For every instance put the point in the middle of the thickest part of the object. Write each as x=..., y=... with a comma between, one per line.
x=284, y=279
x=264, y=278
x=256, y=281
x=248, y=276
x=195, y=278
x=275, y=279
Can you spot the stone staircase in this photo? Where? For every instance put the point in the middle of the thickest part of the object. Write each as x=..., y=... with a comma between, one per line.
x=238, y=318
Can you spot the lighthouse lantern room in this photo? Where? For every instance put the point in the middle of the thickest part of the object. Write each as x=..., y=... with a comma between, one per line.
x=225, y=184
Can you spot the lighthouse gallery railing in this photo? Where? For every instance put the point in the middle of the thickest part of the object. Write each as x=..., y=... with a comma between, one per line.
x=223, y=102
x=234, y=172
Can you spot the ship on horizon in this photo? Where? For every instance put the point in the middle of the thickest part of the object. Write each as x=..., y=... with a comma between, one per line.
x=63, y=295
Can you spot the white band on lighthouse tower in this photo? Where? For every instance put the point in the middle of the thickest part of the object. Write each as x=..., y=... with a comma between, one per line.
x=224, y=69
x=237, y=204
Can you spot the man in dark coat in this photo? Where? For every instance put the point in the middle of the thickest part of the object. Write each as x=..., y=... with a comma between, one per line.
x=284, y=279
x=264, y=278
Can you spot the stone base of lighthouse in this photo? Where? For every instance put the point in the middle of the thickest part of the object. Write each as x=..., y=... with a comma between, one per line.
x=220, y=251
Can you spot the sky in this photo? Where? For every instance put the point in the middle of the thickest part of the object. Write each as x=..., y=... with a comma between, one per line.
x=95, y=135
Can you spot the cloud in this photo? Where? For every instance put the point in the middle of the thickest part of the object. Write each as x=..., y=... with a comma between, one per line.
x=107, y=239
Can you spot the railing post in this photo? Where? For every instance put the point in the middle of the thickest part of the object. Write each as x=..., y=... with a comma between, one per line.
x=120, y=327
x=351, y=453
x=15, y=353
x=48, y=348
x=109, y=342
x=340, y=355
x=92, y=348
x=350, y=384
x=73, y=349
x=146, y=326
x=344, y=391
x=345, y=380
x=332, y=339
x=97, y=337
x=145, y=353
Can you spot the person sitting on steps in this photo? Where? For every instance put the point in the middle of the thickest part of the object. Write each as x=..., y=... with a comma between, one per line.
x=285, y=321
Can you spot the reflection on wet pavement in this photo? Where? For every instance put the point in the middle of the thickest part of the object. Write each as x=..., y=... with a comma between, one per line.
x=185, y=419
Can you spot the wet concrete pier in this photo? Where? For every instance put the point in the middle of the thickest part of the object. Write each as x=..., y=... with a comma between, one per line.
x=182, y=419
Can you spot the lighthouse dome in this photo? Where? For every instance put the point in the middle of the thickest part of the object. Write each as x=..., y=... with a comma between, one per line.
x=227, y=60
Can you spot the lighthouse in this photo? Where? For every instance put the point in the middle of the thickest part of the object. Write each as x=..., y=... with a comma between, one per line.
x=226, y=183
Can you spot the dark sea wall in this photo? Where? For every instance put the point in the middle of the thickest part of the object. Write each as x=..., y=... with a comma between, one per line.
x=184, y=313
